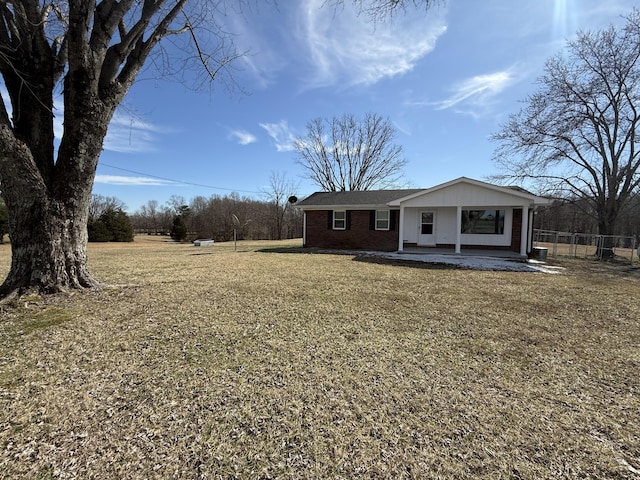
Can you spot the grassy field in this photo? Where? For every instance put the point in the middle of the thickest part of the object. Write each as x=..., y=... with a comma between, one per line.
x=273, y=362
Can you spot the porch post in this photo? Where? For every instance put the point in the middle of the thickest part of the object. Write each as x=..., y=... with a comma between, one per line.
x=530, y=232
x=524, y=230
x=304, y=228
x=401, y=230
x=458, y=228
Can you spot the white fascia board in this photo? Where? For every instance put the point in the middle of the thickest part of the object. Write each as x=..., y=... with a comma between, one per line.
x=536, y=200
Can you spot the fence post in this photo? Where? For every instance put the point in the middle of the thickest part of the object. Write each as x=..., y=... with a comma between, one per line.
x=600, y=246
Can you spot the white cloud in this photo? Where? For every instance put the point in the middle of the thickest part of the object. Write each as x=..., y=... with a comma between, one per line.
x=281, y=134
x=331, y=45
x=475, y=95
x=256, y=29
x=345, y=48
x=243, y=137
x=131, y=181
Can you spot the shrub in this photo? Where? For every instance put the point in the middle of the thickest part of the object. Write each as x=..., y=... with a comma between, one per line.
x=98, y=231
x=178, y=229
x=113, y=225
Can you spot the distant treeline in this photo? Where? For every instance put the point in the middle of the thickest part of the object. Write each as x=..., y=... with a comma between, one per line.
x=574, y=215
x=217, y=216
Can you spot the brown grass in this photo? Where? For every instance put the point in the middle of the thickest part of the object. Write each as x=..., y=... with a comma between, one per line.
x=271, y=362
x=622, y=255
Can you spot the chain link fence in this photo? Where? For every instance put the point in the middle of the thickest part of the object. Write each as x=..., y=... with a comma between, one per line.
x=586, y=245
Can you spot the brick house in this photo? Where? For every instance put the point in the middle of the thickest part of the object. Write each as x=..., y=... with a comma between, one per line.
x=456, y=215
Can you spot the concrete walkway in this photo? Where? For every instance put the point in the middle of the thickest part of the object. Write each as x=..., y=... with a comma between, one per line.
x=472, y=260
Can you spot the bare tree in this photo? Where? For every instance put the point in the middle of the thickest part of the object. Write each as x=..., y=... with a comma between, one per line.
x=152, y=213
x=577, y=136
x=93, y=50
x=152, y=218
x=349, y=154
x=280, y=195
x=100, y=204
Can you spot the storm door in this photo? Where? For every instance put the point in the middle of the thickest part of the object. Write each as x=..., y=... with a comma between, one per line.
x=427, y=228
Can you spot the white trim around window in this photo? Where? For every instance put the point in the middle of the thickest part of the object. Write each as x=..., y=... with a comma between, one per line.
x=339, y=219
x=382, y=219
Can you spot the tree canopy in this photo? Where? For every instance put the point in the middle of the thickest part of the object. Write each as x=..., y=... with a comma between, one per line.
x=577, y=137
x=344, y=153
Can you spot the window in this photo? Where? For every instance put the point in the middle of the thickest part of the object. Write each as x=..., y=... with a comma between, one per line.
x=339, y=219
x=382, y=219
x=484, y=222
x=426, y=223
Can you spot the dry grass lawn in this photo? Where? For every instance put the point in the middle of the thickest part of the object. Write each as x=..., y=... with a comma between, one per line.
x=273, y=362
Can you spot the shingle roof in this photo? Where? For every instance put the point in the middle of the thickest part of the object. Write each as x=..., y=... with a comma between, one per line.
x=355, y=198
x=379, y=198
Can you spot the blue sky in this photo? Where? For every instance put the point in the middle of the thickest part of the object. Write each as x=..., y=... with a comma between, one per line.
x=447, y=79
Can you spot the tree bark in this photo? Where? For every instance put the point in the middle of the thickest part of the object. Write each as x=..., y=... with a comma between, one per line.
x=51, y=254
x=47, y=222
x=606, y=229
x=49, y=207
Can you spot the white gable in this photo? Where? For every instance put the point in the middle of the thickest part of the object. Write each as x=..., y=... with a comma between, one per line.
x=464, y=192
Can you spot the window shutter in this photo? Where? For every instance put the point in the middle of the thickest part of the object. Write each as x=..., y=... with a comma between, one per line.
x=372, y=220
x=348, y=220
x=330, y=219
x=392, y=219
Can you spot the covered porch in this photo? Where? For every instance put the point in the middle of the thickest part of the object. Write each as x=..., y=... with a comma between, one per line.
x=467, y=217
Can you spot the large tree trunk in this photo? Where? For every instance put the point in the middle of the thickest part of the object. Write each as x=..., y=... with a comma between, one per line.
x=50, y=255
x=606, y=228
x=48, y=208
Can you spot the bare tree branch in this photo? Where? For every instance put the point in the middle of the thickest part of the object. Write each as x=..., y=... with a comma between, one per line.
x=579, y=129
x=360, y=154
x=382, y=10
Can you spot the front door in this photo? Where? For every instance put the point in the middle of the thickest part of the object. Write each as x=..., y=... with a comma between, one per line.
x=427, y=228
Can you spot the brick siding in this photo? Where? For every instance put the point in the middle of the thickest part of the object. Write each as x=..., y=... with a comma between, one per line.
x=516, y=230
x=358, y=237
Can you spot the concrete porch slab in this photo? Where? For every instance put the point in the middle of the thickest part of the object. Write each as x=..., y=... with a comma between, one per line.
x=468, y=252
